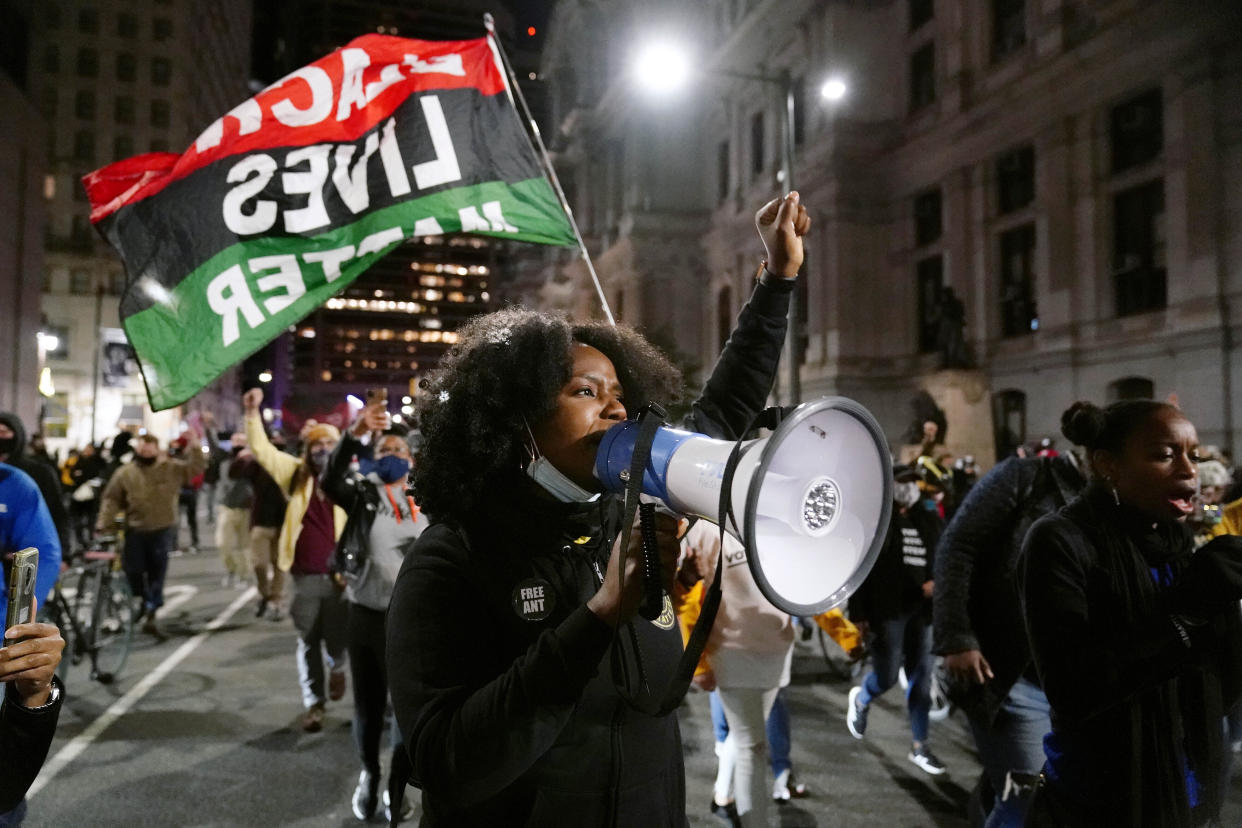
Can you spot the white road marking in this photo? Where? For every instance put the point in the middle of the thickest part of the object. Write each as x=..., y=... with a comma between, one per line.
x=122, y=705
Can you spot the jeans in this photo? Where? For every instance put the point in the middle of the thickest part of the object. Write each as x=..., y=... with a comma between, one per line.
x=779, y=743
x=368, y=668
x=905, y=640
x=746, y=709
x=146, y=563
x=320, y=614
x=1013, y=742
x=189, y=504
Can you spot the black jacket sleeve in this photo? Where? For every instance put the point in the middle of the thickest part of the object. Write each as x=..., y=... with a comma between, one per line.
x=471, y=733
x=25, y=736
x=340, y=483
x=1085, y=665
x=981, y=527
x=742, y=378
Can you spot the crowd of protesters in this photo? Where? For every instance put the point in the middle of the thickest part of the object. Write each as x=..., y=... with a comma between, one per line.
x=1084, y=602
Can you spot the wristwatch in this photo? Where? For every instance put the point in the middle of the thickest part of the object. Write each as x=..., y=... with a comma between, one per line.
x=53, y=696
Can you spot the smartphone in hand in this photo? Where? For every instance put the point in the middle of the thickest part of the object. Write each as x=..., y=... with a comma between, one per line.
x=22, y=575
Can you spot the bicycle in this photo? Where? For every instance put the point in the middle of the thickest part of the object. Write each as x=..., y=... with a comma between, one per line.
x=94, y=608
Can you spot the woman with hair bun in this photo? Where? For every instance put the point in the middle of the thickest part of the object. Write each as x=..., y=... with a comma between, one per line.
x=510, y=617
x=1135, y=635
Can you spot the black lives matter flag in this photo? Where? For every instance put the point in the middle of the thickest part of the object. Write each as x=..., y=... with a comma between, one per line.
x=285, y=199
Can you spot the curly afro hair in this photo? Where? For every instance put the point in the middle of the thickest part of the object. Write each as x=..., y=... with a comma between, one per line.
x=507, y=366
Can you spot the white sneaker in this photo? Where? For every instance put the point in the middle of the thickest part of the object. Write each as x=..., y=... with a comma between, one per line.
x=926, y=760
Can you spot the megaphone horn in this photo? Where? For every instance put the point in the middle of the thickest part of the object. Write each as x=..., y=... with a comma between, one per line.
x=815, y=496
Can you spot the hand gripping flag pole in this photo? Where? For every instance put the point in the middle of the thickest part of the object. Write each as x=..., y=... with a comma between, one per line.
x=542, y=151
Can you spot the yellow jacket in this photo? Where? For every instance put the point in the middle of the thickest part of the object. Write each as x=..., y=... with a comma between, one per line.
x=281, y=467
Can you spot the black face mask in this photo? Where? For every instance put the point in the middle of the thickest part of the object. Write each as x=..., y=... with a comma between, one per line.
x=7, y=446
x=143, y=461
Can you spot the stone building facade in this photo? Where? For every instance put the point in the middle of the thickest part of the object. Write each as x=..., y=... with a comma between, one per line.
x=1070, y=170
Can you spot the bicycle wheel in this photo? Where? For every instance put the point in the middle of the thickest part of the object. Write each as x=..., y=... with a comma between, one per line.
x=54, y=611
x=114, y=627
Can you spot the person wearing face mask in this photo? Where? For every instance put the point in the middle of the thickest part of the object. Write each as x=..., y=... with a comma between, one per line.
x=1135, y=635
x=893, y=609
x=383, y=521
x=513, y=626
x=13, y=452
x=147, y=490
x=307, y=539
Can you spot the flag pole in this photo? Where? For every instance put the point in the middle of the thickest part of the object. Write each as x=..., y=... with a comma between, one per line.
x=542, y=151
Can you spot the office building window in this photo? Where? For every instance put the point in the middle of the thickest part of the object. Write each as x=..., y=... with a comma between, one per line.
x=159, y=145
x=80, y=281
x=126, y=67
x=1139, y=272
x=1017, y=281
x=757, y=159
x=722, y=171
x=927, y=222
x=161, y=71
x=123, y=109
x=929, y=278
x=122, y=146
x=49, y=101
x=88, y=21
x=116, y=282
x=51, y=15
x=1015, y=179
x=160, y=114
x=1008, y=27
x=161, y=28
x=80, y=229
x=88, y=63
x=126, y=25
x=84, y=105
x=923, y=76
x=1137, y=130
x=84, y=145
x=78, y=188
x=51, y=59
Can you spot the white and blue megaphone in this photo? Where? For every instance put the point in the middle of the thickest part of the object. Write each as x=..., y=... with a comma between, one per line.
x=814, y=498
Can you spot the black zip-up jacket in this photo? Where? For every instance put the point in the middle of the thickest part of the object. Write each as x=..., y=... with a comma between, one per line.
x=512, y=718
x=355, y=494
x=25, y=736
x=976, y=604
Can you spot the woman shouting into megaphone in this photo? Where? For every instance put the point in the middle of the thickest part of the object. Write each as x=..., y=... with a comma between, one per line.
x=506, y=621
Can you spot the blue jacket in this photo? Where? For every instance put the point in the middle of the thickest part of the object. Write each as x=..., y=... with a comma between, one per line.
x=26, y=521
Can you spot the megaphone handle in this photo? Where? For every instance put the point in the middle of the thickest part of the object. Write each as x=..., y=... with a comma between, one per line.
x=653, y=592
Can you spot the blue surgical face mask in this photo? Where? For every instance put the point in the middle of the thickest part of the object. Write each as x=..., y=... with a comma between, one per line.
x=555, y=483
x=390, y=468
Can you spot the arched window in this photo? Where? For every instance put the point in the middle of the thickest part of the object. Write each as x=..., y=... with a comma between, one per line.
x=724, y=316
x=1008, y=421
x=1131, y=388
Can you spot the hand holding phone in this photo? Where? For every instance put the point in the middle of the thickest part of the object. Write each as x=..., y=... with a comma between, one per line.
x=22, y=575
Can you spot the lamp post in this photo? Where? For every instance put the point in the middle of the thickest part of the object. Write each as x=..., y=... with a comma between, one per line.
x=666, y=67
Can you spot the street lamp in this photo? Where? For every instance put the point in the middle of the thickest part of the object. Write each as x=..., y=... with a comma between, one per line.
x=665, y=68
x=265, y=377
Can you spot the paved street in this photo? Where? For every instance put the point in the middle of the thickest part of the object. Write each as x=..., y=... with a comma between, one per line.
x=214, y=740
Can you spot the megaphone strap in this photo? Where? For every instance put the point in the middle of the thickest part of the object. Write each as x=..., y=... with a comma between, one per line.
x=768, y=418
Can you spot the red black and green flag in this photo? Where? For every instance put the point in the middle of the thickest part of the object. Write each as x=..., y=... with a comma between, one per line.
x=286, y=198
